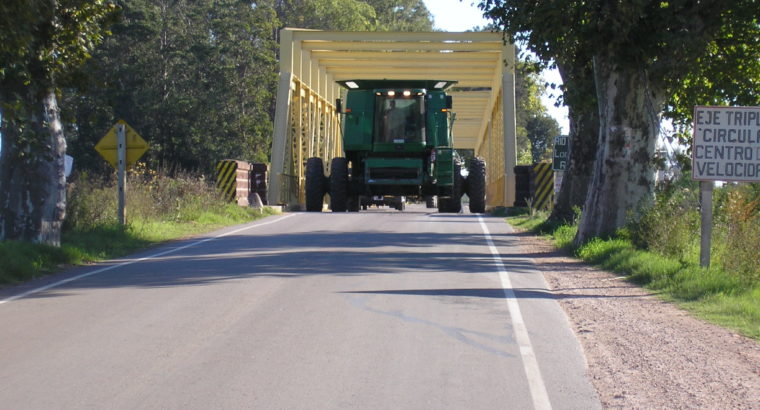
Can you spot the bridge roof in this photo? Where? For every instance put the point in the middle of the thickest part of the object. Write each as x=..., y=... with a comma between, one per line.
x=475, y=60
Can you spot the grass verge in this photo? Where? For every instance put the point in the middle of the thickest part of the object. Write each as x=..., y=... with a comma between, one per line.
x=23, y=261
x=720, y=297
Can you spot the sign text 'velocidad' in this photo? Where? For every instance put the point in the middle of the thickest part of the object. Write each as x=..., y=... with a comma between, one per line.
x=726, y=144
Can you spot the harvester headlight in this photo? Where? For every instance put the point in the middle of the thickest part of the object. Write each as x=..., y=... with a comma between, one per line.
x=352, y=84
x=407, y=93
x=391, y=93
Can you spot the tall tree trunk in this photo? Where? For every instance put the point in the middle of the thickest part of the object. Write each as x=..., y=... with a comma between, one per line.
x=583, y=112
x=32, y=181
x=623, y=177
x=584, y=132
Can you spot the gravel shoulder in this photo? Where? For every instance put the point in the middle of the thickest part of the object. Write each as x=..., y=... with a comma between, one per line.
x=643, y=352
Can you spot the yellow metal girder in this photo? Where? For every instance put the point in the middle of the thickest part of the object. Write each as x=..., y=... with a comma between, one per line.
x=393, y=46
x=332, y=63
x=431, y=56
x=395, y=36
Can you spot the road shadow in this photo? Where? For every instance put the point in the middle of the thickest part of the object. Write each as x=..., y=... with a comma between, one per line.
x=299, y=254
x=497, y=293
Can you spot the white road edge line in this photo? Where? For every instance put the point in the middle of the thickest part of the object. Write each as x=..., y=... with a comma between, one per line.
x=530, y=364
x=98, y=271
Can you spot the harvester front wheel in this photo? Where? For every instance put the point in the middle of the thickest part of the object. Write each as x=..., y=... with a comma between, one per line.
x=315, y=183
x=354, y=203
x=454, y=202
x=456, y=194
x=430, y=201
x=339, y=184
x=476, y=185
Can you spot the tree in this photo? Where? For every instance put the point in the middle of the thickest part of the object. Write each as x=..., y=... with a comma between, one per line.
x=637, y=49
x=41, y=41
x=402, y=15
x=195, y=78
x=728, y=74
x=355, y=15
x=541, y=132
x=579, y=94
x=340, y=15
x=527, y=105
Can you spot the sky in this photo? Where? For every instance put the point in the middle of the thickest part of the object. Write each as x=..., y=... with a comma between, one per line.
x=456, y=15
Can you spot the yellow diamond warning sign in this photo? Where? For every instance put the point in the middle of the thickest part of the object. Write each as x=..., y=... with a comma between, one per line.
x=107, y=146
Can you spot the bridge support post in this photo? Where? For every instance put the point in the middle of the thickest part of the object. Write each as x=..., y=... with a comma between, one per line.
x=277, y=175
x=510, y=137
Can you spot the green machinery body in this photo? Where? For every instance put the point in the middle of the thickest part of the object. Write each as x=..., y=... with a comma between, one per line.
x=397, y=141
x=407, y=154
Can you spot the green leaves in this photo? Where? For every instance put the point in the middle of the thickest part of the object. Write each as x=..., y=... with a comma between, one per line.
x=355, y=15
x=196, y=78
x=535, y=128
x=39, y=42
x=728, y=73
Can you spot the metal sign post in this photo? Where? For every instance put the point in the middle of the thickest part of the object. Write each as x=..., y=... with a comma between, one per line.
x=706, y=190
x=122, y=146
x=121, y=174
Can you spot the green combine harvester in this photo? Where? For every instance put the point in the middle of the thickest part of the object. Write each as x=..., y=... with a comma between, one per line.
x=398, y=143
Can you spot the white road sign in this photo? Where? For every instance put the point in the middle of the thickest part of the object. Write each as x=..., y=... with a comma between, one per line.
x=726, y=145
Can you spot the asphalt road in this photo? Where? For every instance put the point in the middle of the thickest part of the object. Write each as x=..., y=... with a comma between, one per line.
x=373, y=310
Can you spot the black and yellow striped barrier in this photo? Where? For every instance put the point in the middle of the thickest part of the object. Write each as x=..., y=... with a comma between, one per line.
x=226, y=179
x=543, y=185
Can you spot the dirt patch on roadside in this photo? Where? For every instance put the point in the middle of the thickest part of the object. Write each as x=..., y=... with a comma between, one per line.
x=646, y=353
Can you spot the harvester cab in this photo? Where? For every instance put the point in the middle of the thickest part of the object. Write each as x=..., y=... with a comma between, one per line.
x=397, y=141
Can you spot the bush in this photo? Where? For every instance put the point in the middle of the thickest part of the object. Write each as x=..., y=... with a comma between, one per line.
x=92, y=201
x=737, y=231
x=671, y=226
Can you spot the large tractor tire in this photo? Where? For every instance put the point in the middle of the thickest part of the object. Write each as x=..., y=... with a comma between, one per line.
x=315, y=184
x=430, y=201
x=456, y=198
x=339, y=184
x=476, y=185
x=453, y=203
x=401, y=204
x=354, y=203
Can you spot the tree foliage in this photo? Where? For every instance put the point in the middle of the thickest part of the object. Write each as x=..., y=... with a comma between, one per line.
x=535, y=129
x=727, y=74
x=402, y=15
x=355, y=15
x=541, y=131
x=343, y=15
x=41, y=42
x=194, y=78
x=640, y=50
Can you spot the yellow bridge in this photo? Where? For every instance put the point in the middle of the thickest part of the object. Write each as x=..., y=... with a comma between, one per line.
x=311, y=61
